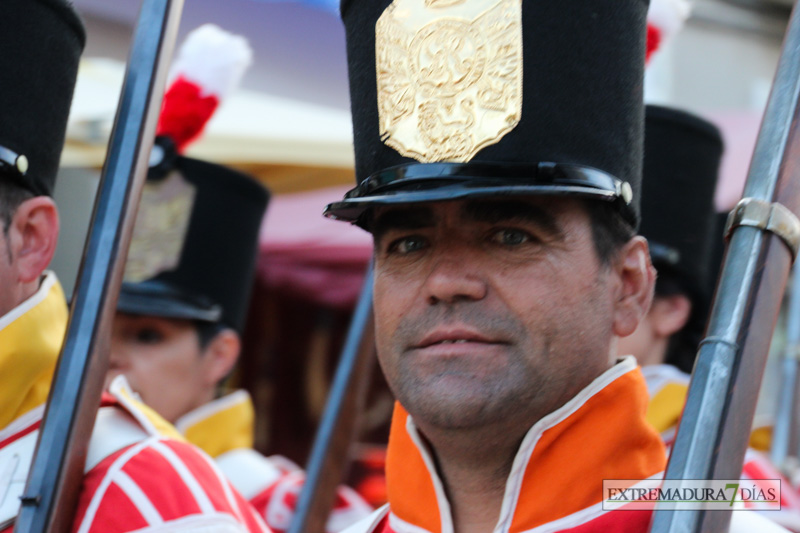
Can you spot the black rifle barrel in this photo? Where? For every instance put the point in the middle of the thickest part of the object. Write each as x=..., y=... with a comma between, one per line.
x=329, y=453
x=48, y=503
x=715, y=427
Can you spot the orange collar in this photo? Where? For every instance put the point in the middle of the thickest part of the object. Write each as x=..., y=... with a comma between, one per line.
x=559, y=469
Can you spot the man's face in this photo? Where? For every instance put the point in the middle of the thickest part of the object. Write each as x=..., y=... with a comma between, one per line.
x=163, y=362
x=8, y=277
x=490, y=311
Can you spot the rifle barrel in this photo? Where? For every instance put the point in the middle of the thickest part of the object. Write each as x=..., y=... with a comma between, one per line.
x=328, y=455
x=716, y=423
x=48, y=503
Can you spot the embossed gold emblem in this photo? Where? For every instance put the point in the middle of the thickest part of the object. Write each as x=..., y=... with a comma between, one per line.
x=160, y=229
x=449, y=76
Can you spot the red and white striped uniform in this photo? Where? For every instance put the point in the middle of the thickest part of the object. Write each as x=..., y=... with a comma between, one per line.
x=141, y=479
x=759, y=471
x=223, y=428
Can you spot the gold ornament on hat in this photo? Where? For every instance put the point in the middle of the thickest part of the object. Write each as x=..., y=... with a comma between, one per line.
x=449, y=76
x=160, y=229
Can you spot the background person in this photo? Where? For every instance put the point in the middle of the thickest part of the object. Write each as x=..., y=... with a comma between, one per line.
x=681, y=168
x=138, y=477
x=182, y=307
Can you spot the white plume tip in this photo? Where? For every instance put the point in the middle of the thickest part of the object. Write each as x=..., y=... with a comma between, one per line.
x=214, y=59
x=669, y=16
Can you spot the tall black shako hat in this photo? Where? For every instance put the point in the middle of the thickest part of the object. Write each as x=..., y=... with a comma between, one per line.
x=42, y=41
x=681, y=167
x=455, y=99
x=195, y=240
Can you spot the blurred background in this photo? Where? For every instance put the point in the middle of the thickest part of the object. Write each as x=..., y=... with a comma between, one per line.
x=289, y=127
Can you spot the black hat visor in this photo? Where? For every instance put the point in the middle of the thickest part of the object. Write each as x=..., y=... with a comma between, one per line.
x=431, y=182
x=159, y=299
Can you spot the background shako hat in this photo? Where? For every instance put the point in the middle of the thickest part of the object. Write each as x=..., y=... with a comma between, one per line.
x=681, y=166
x=41, y=42
x=454, y=99
x=195, y=241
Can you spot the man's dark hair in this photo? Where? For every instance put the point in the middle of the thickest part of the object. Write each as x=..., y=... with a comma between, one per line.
x=610, y=231
x=206, y=331
x=11, y=196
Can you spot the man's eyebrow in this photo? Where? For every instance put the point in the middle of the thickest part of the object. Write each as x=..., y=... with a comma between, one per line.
x=493, y=212
x=401, y=219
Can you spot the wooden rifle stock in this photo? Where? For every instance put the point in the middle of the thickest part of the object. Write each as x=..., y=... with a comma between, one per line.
x=51, y=494
x=716, y=422
x=328, y=461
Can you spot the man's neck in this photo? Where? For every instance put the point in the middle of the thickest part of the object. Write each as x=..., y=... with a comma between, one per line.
x=16, y=295
x=474, y=466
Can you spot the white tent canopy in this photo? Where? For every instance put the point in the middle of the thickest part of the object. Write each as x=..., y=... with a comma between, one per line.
x=249, y=127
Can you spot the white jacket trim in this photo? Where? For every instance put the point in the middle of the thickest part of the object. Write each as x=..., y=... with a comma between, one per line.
x=122, y=392
x=445, y=513
x=100, y=493
x=369, y=523
x=22, y=422
x=37, y=298
x=657, y=376
x=249, y=471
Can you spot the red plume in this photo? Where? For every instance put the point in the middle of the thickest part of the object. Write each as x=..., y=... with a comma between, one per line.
x=210, y=65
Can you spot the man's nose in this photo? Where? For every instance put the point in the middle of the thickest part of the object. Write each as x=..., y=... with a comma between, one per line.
x=455, y=278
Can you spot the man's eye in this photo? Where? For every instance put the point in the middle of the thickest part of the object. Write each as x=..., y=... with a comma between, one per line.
x=511, y=237
x=149, y=336
x=407, y=245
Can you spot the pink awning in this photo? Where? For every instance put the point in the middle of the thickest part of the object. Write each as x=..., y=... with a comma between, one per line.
x=739, y=130
x=309, y=255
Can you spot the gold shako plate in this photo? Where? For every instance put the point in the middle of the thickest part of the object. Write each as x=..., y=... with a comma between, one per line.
x=161, y=226
x=449, y=76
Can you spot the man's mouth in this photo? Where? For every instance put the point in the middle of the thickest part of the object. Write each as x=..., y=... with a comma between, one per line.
x=454, y=336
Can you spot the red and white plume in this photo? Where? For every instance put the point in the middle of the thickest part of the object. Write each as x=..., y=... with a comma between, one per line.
x=664, y=19
x=209, y=66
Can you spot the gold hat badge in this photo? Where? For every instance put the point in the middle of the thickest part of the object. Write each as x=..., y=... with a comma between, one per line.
x=160, y=230
x=449, y=76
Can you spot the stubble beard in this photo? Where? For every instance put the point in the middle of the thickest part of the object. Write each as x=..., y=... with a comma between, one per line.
x=468, y=393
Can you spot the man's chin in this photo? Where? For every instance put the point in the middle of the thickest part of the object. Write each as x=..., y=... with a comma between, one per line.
x=455, y=408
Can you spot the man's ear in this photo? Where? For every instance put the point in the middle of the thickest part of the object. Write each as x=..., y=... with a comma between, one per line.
x=33, y=236
x=221, y=355
x=636, y=283
x=670, y=314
